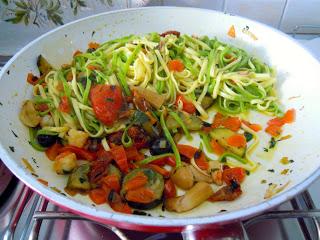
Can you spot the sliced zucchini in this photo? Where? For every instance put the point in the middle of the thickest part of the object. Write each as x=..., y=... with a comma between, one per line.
x=221, y=135
x=43, y=65
x=192, y=122
x=79, y=178
x=155, y=183
x=113, y=170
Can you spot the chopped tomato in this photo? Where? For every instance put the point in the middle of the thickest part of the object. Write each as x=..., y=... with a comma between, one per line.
x=201, y=162
x=237, y=140
x=80, y=152
x=93, y=45
x=93, y=67
x=276, y=122
x=106, y=101
x=64, y=105
x=117, y=204
x=232, y=32
x=133, y=154
x=175, y=65
x=274, y=130
x=98, y=196
x=187, y=105
x=42, y=107
x=253, y=126
x=33, y=80
x=217, y=121
x=136, y=182
x=112, y=181
x=160, y=161
x=216, y=147
x=165, y=173
x=140, y=195
x=236, y=174
x=187, y=150
x=119, y=155
x=53, y=151
x=169, y=189
x=76, y=53
x=289, y=116
x=171, y=161
x=232, y=123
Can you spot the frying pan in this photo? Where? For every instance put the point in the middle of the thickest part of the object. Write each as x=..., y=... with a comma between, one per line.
x=298, y=86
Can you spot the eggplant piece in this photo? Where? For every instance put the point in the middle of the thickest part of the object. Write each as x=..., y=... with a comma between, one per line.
x=160, y=146
x=46, y=140
x=79, y=178
x=221, y=135
x=192, y=122
x=198, y=194
x=43, y=65
x=206, y=102
x=155, y=183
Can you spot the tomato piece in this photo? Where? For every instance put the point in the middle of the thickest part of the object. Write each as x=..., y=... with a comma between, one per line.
x=112, y=181
x=165, y=173
x=274, y=130
x=133, y=154
x=232, y=123
x=237, y=174
x=171, y=161
x=187, y=105
x=33, y=80
x=187, y=150
x=276, y=122
x=42, y=107
x=136, y=182
x=237, y=140
x=80, y=152
x=201, y=162
x=98, y=196
x=289, y=116
x=93, y=45
x=216, y=147
x=53, y=151
x=106, y=101
x=64, y=105
x=217, y=121
x=140, y=195
x=119, y=155
x=175, y=65
x=170, y=190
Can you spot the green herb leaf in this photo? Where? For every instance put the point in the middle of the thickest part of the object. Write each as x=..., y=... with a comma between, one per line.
x=248, y=136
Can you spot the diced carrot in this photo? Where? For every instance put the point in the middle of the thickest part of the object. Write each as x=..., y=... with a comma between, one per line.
x=136, y=182
x=236, y=174
x=76, y=53
x=165, y=173
x=289, y=116
x=274, y=130
x=232, y=123
x=232, y=32
x=112, y=181
x=276, y=122
x=175, y=65
x=120, y=157
x=201, y=162
x=98, y=196
x=216, y=147
x=217, y=121
x=93, y=45
x=53, y=151
x=237, y=140
x=187, y=150
x=140, y=195
x=253, y=126
x=133, y=154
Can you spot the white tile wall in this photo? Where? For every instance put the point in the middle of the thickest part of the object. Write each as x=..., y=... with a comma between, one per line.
x=299, y=12
x=265, y=11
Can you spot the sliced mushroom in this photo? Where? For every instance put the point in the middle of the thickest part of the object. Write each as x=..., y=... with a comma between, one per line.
x=77, y=138
x=65, y=163
x=199, y=176
x=199, y=193
x=29, y=115
x=183, y=177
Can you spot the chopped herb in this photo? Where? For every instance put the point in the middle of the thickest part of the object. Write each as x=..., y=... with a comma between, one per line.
x=63, y=194
x=34, y=160
x=109, y=100
x=11, y=148
x=139, y=117
x=270, y=184
x=65, y=35
x=82, y=180
x=247, y=172
x=248, y=136
x=1, y=104
x=93, y=205
x=14, y=134
x=284, y=171
x=271, y=170
x=272, y=143
x=141, y=213
x=8, y=72
x=35, y=175
x=206, y=124
x=222, y=210
x=161, y=216
x=291, y=161
x=93, y=32
x=263, y=181
x=291, y=171
x=266, y=149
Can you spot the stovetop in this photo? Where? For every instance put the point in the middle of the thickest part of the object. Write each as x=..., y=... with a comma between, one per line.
x=26, y=215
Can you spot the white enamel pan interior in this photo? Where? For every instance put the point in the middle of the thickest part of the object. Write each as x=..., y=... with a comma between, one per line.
x=298, y=85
